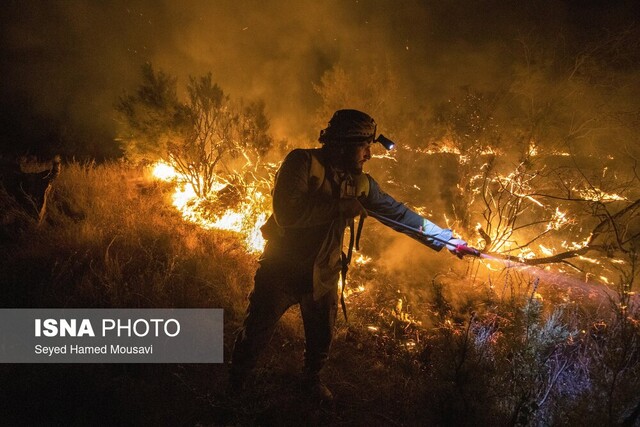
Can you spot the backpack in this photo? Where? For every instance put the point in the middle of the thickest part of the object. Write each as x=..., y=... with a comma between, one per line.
x=356, y=187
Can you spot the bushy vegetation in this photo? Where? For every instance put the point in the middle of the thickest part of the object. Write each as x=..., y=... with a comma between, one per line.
x=429, y=342
x=200, y=137
x=456, y=350
x=113, y=240
x=518, y=352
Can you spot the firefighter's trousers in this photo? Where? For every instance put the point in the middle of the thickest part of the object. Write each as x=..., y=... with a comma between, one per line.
x=278, y=286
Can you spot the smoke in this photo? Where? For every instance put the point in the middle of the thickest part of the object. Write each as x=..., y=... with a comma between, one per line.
x=64, y=64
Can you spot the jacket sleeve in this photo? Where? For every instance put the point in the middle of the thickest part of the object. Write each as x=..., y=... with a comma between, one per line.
x=386, y=206
x=295, y=205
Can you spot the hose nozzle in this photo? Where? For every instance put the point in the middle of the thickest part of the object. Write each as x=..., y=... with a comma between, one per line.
x=462, y=250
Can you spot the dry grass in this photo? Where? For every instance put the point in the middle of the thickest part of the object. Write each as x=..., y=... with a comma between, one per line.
x=457, y=350
x=112, y=240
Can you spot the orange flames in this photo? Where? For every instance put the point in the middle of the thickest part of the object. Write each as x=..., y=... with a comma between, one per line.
x=246, y=219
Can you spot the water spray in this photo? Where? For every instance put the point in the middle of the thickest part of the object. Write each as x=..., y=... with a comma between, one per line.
x=509, y=261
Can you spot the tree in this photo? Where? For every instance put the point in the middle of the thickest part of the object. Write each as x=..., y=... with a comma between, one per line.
x=197, y=137
x=151, y=117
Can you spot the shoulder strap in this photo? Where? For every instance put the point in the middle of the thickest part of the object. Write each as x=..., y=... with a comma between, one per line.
x=362, y=185
x=316, y=172
x=362, y=190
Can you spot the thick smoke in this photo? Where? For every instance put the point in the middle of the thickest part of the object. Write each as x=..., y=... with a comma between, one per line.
x=64, y=64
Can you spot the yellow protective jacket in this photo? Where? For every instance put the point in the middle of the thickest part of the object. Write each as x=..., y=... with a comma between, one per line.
x=306, y=229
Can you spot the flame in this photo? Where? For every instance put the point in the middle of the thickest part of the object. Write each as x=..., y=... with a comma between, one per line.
x=597, y=195
x=246, y=218
x=558, y=220
x=164, y=172
x=387, y=155
x=362, y=259
x=490, y=267
x=574, y=246
x=587, y=259
x=445, y=147
x=547, y=251
x=518, y=185
x=350, y=289
x=526, y=253
x=490, y=151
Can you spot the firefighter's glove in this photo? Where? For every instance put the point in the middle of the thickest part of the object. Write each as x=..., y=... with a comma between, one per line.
x=453, y=244
x=351, y=208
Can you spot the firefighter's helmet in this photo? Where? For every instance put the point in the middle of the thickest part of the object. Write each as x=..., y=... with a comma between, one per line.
x=348, y=127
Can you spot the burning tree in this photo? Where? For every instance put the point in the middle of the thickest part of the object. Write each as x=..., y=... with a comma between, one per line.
x=211, y=146
x=196, y=137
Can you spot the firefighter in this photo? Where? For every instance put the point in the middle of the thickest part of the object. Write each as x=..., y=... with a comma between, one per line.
x=316, y=196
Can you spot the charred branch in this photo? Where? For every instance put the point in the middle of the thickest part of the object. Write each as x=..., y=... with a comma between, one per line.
x=556, y=258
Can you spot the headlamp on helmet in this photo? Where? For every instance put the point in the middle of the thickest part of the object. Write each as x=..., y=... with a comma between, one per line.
x=386, y=142
x=350, y=127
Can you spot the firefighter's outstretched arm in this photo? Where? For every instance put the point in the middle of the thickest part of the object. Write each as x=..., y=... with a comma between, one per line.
x=386, y=207
x=397, y=216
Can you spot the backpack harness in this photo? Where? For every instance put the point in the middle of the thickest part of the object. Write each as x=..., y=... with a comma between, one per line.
x=350, y=187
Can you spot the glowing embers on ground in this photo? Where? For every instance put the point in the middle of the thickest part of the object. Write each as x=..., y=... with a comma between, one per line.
x=385, y=309
x=246, y=218
x=352, y=287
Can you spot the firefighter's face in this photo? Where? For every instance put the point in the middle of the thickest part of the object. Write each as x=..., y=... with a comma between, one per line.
x=357, y=156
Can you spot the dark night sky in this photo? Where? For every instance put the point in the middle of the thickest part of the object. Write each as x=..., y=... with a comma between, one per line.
x=64, y=63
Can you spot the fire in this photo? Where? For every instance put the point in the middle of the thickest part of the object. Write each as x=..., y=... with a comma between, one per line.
x=597, y=195
x=526, y=253
x=246, y=218
x=164, y=172
x=587, y=259
x=362, y=259
x=487, y=151
x=576, y=245
x=558, y=220
x=518, y=185
x=350, y=289
x=546, y=251
x=447, y=147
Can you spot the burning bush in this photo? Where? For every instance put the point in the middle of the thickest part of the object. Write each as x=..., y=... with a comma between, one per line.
x=206, y=139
